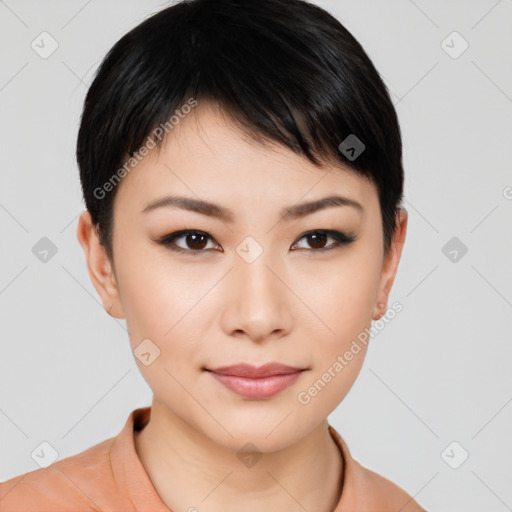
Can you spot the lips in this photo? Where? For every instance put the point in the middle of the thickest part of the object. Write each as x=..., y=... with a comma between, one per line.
x=257, y=383
x=253, y=372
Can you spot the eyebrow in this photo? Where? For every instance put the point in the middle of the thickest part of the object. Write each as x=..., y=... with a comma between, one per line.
x=225, y=214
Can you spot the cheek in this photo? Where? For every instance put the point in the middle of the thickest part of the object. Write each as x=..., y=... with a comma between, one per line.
x=156, y=306
x=154, y=291
x=149, y=302
x=163, y=303
x=341, y=296
x=344, y=304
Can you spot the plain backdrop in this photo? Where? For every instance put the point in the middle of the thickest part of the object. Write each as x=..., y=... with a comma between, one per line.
x=437, y=383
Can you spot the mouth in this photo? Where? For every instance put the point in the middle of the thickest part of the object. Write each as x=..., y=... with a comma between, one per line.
x=256, y=382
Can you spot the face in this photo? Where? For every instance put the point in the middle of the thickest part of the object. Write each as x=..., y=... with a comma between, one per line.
x=268, y=281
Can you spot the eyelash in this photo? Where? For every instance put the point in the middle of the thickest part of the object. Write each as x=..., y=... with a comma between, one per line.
x=341, y=240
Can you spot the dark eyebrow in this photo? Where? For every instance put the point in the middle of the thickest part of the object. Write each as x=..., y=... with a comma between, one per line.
x=225, y=214
x=302, y=209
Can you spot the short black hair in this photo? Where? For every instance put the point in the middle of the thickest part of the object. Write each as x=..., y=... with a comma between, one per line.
x=285, y=71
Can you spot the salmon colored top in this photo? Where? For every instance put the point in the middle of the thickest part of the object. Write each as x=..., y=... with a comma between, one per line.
x=109, y=477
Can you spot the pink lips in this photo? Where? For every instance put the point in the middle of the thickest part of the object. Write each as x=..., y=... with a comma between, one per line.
x=257, y=383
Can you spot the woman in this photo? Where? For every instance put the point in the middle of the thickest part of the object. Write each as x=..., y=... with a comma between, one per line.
x=241, y=166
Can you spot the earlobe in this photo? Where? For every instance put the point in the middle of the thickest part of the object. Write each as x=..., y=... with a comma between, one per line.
x=391, y=262
x=379, y=311
x=99, y=266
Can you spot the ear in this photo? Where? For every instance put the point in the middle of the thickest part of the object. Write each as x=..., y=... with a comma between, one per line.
x=390, y=264
x=99, y=266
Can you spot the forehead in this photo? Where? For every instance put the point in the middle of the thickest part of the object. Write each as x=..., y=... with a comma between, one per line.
x=207, y=156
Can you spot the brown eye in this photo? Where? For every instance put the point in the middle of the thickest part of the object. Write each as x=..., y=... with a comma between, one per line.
x=192, y=242
x=317, y=239
x=195, y=241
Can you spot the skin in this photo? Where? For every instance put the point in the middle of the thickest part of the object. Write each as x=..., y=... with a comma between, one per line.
x=291, y=305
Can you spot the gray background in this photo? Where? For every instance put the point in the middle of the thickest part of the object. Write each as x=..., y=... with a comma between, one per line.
x=438, y=373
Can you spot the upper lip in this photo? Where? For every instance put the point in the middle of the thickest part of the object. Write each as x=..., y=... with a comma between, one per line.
x=247, y=370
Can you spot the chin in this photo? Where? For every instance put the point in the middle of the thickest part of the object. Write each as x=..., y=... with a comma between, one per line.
x=269, y=430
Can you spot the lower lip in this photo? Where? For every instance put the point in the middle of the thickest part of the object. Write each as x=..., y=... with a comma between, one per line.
x=264, y=387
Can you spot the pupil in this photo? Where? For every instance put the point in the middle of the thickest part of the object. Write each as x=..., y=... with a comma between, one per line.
x=322, y=239
x=195, y=237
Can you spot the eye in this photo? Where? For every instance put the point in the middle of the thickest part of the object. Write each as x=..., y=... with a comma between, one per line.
x=318, y=238
x=195, y=242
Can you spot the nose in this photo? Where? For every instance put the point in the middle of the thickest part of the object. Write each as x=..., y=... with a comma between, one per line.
x=257, y=300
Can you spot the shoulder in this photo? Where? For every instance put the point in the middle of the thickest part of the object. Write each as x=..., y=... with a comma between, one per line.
x=384, y=494
x=367, y=491
x=79, y=482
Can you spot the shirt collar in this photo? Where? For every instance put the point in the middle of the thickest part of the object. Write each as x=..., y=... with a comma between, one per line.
x=132, y=478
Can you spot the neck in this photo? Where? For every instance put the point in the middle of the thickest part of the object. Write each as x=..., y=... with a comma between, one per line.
x=190, y=472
